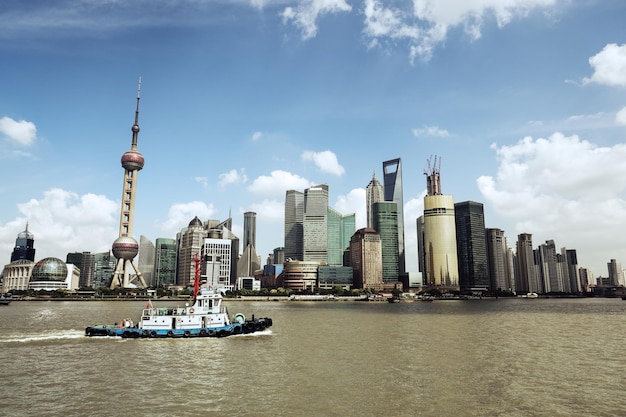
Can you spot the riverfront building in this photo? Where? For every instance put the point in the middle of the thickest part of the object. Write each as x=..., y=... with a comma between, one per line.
x=366, y=259
x=191, y=242
x=471, y=246
x=392, y=178
x=497, y=256
x=86, y=263
x=526, y=279
x=217, y=263
x=300, y=275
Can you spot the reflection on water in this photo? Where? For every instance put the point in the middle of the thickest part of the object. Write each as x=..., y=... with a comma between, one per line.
x=447, y=358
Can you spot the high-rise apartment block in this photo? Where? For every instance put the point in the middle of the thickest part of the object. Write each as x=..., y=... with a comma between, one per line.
x=526, y=279
x=497, y=256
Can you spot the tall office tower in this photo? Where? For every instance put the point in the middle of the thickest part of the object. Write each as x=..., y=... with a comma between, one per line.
x=165, y=252
x=575, y=284
x=249, y=229
x=366, y=259
x=439, y=234
x=374, y=192
x=385, y=220
x=125, y=247
x=392, y=178
x=526, y=276
x=146, y=259
x=616, y=275
x=105, y=267
x=421, y=250
x=86, y=262
x=190, y=246
x=563, y=270
x=471, y=246
x=548, y=269
x=216, y=254
x=497, y=257
x=278, y=256
x=294, y=225
x=340, y=230
x=24, y=246
x=315, y=227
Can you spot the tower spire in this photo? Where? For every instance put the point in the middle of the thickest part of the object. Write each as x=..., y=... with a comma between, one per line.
x=135, y=127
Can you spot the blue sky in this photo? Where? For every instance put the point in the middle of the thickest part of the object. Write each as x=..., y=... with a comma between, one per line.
x=523, y=100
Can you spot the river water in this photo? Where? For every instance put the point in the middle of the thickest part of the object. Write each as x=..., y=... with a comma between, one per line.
x=506, y=357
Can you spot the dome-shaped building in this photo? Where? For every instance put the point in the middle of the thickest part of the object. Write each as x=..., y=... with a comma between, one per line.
x=53, y=274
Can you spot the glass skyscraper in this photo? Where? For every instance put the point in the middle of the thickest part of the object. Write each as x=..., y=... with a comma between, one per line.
x=340, y=230
x=315, y=230
x=385, y=220
x=392, y=179
x=165, y=262
x=294, y=224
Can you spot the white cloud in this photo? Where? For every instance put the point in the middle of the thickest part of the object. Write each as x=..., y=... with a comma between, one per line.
x=562, y=188
x=202, y=180
x=609, y=66
x=620, y=117
x=353, y=202
x=427, y=25
x=326, y=161
x=63, y=221
x=19, y=132
x=278, y=183
x=434, y=131
x=305, y=15
x=233, y=177
x=271, y=211
x=180, y=214
x=256, y=136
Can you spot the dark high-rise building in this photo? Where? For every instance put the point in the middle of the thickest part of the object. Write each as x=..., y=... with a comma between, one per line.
x=165, y=262
x=385, y=221
x=471, y=246
x=86, y=262
x=24, y=246
x=249, y=229
x=294, y=225
x=104, y=268
x=392, y=180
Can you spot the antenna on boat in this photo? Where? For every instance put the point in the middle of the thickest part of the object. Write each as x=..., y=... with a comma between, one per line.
x=196, y=281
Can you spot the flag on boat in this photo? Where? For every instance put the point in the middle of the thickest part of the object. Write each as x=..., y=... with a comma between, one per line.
x=149, y=305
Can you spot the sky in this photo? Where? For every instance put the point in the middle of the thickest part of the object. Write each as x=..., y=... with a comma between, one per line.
x=523, y=101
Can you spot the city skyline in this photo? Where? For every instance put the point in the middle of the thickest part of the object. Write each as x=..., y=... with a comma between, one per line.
x=242, y=101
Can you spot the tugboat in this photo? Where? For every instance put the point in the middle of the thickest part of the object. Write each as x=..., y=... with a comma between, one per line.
x=5, y=299
x=204, y=318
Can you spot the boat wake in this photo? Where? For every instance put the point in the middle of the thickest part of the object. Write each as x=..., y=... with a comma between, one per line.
x=61, y=335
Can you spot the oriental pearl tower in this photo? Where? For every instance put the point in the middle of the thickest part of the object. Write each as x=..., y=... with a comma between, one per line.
x=125, y=247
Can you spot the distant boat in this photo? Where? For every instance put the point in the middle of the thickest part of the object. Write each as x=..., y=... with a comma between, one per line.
x=531, y=295
x=394, y=300
x=5, y=299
